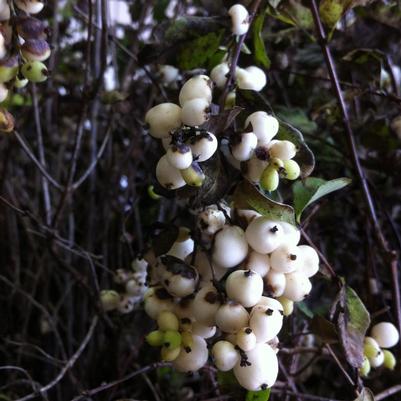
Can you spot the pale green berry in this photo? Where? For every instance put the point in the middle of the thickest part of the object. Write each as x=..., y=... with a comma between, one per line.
x=168, y=354
x=35, y=71
x=389, y=360
x=8, y=69
x=291, y=170
x=371, y=348
x=269, y=179
x=186, y=339
x=365, y=368
x=193, y=175
x=155, y=338
x=20, y=82
x=171, y=339
x=109, y=299
x=277, y=163
x=167, y=321
x=288, y=305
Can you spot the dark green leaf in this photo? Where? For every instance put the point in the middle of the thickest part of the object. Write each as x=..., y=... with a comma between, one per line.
x=312, y=189
x=247, y=196
x=262, y=395
x=260, y=54
x=353, y=323
x=305, y=309
x=159, y=10
x=304, y=156
x=324, y=329
x=197, y=53
x=365, y=395
x=298, y=118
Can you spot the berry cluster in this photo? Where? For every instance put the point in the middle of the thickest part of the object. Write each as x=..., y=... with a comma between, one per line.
x=133, y=287
x=382, y=336
x=185, y=143
x=23, y=48
x=222, y=287
x=264, y=159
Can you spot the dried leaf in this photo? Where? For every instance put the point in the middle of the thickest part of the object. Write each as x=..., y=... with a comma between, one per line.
x=365, y=395
x=353, y=322
x=324, y=329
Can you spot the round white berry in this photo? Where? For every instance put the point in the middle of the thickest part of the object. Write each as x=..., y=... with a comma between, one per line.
x=309, y=260
x=263, y=125
x=211, y=220
x=203, y=146
x=297, y=286
x=168, y=176
x=179, y=156
x=292, y=235
x=245, y=339
x=243, y=146
x=192, y=358
x=258, y=369
x=157, y=300
x=219, y=74
x=195, y=112
x=258, y=262
x=386, y=334
x=284, y=150
x=203, y=331
x=162, y=119
x=245, y=287
x=254, y=168
x=266, y=322
x=230, y=246
x=205, y=305
x=169, y=74
x=285, y=259
x=225, y=355
x=183, y=245
x=231, y=317
x=264, y=235
x=199, y=86
x=251, y=78
x=239, y=19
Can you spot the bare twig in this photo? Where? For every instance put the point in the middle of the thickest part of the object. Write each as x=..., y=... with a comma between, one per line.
x=388, y=392
x=71, y=362
x=389, y=254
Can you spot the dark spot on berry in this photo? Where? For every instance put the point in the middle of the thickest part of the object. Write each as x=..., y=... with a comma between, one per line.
x=281, y=312
x=248, y=273
x=188, y=349
x=269, y=312
x=263, y=386
x=185, y=320
x=211, y=297
x=248, y=330
x=274, y=229
x=293, y=257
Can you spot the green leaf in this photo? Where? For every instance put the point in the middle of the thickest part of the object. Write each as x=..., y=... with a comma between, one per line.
x=262, y=395
x=298, y=118
x=353, y=322
x=198, y=53
x=159, y=10
x=305, y=309
x=260, y=54
x=365, y=395
x=304, y=156
x=331, y=11
x=312, y=189
x=247, y=196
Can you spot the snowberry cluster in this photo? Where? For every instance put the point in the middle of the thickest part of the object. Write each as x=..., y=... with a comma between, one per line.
x=222, y=288
x=23, y=48
x=186, y=144
x=133, y=284
x=382, y=336
x=250, y=78
x=264, y=159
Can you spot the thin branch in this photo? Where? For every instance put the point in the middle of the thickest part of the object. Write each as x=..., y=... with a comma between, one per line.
x=390, y=255
x=42, y=168
x=388, y=392
x=71, y=362
x=235, y=58
x=106, y=386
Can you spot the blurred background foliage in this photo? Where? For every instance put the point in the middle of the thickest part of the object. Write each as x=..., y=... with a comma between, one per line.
x=56, y=254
